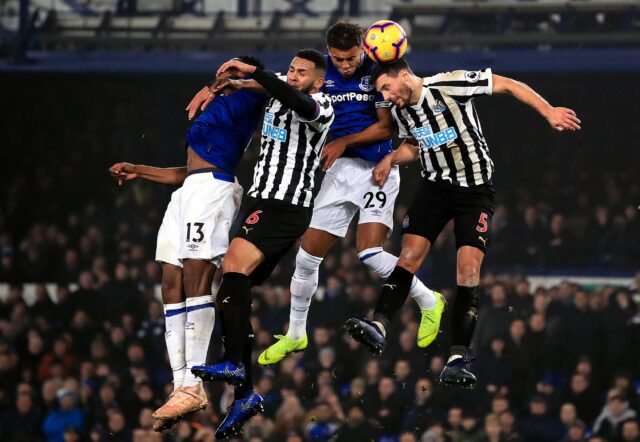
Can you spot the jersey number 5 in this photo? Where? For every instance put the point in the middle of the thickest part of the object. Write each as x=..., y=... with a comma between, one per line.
x=483, y=225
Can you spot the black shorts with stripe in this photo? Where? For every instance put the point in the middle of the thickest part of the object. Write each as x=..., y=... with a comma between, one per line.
x=273, y=226
x=437, y=203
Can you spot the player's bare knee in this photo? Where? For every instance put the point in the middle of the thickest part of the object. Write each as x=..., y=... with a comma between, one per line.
x=233, y=266
x=410, y=260
x=171, y=291
x=468, y=275
x=197, y=277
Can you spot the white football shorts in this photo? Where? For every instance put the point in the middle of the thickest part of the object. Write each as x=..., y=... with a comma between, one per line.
x=197, y=221
x=347, y=189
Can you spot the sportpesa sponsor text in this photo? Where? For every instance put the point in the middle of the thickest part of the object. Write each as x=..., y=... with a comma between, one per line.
x=352, y=96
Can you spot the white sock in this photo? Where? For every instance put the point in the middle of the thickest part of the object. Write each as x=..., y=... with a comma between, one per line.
x=303, y=285
x=201, y=316
x=174, y=319
x=423, y=295
x=383, y=264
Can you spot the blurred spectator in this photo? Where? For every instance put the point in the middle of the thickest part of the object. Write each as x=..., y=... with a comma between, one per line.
x=582, y=395
x=630, y=431
x=23, y=423
x=538, y=426
x=387, y=408
x=576, y=432
x=68, y=415
x=608, y=424
x=493, y=319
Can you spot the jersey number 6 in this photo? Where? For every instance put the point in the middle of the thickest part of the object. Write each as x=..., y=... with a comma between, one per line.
x=254, y=217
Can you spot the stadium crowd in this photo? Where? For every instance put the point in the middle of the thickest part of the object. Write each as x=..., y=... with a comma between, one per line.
x=87, y=359
x=552, y=365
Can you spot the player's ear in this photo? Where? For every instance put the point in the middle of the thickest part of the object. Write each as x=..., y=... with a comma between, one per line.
x=319, y=82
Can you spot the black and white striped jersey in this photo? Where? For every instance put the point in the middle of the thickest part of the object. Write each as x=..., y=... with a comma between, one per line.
x=290, y=152
x=445, y=123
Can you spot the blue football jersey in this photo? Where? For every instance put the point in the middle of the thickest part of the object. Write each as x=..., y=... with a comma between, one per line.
x=354, y=102
x=221, y=133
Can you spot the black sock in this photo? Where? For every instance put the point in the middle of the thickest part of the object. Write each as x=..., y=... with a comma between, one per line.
x=247, y=385
x=464, y=317
x=394, y=292
x=236, y=308
x=223, y=330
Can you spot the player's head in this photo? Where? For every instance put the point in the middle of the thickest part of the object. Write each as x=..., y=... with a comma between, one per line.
x=392, y=80
x=306, y=71
x=344, y=44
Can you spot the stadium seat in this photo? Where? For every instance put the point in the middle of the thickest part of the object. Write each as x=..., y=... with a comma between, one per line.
x=190, y=26
x=137, y=27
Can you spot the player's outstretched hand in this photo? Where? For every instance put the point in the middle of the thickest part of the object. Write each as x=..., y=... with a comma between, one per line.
x=562, y=118
x=331, y=153
x=381, y=171
x=123, y=172
x=237, y=68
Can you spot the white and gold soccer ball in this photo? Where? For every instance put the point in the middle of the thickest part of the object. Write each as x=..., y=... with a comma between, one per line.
x=385, y=41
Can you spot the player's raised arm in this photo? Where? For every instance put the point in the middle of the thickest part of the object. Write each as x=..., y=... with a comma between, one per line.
x=300, y=102
x=560, y=118
x=380, y=131
x=222, y=84
x=166, y=175
x=406, y=153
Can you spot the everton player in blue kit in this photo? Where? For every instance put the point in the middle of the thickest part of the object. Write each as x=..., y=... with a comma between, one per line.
x=194, y=235
x=361, y=135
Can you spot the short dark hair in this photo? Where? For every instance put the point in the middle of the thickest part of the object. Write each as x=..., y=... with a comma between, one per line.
x=249, y=59
x=314, y=56
x=344, y=36
x=391, y=69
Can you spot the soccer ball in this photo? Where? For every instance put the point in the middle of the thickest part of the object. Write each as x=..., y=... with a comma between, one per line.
x=385, y=41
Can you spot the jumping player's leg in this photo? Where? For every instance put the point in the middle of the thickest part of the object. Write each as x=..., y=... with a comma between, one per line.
x=371, y=237
x=201, y=215
x=397, y=286
x=472, y=230
x=465, y=307
x=200, y=318
x=315, y=245
x=372, y=334
x=175, y=317
x=241, y=260
x=425, y=220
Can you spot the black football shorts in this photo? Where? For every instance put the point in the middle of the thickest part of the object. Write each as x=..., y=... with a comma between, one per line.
x=273, y=226
x=435, y=204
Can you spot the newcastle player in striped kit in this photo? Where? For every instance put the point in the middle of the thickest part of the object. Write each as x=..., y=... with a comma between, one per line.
x=440, y=126
x=295, y=128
